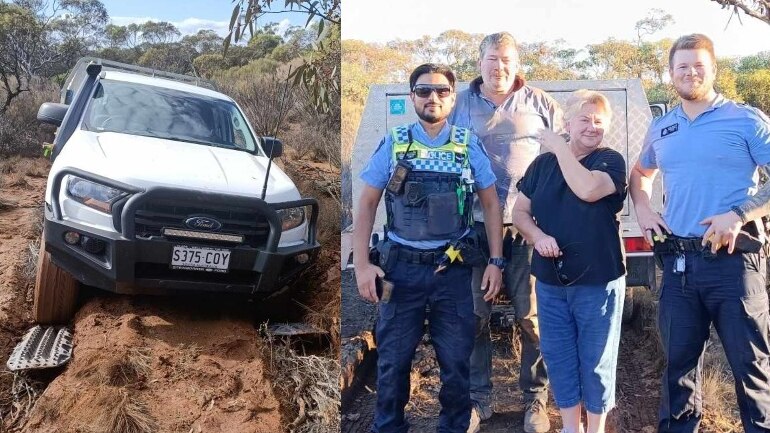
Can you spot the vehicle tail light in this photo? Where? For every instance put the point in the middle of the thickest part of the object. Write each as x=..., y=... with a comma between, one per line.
x=636, y=245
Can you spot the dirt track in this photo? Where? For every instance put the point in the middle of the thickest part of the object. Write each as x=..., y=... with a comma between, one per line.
x=637, y=395
x=140, y=364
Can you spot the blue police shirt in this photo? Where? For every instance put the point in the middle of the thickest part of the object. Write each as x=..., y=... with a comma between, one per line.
x=708, y=164
x=380, y=166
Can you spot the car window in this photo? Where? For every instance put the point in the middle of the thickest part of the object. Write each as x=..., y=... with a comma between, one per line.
x=152, y=111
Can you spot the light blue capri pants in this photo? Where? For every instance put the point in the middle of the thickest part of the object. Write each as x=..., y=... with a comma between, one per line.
x=579, y=338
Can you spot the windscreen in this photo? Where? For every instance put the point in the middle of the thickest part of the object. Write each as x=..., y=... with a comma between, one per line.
x=151, y=111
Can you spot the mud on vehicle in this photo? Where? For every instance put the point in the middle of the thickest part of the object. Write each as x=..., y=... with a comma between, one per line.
x=159, y=183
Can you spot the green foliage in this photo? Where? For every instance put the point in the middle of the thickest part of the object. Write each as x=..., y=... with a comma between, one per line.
x=160, y=32
x=726, y=81
x=204, y=42
x=755, y=62
x=263, y=44
x=754, y=86
x=319, y=73
x=168, y=57
x=251, y=71
x=544, y=61
x=661, y=92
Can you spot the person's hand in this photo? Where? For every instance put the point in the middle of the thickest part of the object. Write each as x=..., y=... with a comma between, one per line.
x=366, y=275
x=491, y=282
x=551, y=141
x=650, y=222
x=546, y=246
x=722, y=231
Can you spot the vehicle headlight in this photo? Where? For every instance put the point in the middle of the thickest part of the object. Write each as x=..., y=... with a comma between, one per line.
x=292, y=217
x=93, y=195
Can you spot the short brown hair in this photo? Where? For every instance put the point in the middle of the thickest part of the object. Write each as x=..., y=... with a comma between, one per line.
x=499, y=39
x=694, y=41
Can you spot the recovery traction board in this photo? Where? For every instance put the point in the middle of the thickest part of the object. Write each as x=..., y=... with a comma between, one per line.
x=42, y=347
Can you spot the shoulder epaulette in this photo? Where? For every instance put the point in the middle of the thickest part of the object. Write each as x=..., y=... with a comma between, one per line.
x=400, y=134
x=460, y=135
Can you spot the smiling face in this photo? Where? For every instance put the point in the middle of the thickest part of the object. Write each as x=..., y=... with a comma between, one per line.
x=433, y=108
x=499, y=66
x=586, y=128
x=693, y=72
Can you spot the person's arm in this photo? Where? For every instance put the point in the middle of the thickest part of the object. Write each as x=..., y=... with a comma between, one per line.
x=758, y=205
x=366, y=272
x=723, y=229
x=640, y=189
x=588, y=185
x=545, y=245
x=493, y=223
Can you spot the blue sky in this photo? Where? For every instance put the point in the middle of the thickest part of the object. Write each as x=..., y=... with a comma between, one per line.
x=578, y=22
x=189, y=16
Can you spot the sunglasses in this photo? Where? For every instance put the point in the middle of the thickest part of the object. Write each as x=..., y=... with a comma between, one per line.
x=567, y=279
x=424, y=90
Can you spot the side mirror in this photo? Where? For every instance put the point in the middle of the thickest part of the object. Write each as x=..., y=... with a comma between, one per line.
x=52, y=113
x=658, y=109
x=272, y=146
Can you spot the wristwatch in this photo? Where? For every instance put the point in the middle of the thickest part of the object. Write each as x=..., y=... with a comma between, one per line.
x=497, y=261
x=741, y=214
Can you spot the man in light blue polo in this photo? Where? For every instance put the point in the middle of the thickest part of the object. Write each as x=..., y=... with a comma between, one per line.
x=506, y=114
x=428, y=171
x=709, y=238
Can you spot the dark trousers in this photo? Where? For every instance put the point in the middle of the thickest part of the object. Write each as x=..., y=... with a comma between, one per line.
x=727, y=290
x=520, y=289
x=400, y=329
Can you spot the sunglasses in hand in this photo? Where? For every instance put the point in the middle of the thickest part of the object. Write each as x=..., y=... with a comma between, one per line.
x=567, y=278
x=424, y=90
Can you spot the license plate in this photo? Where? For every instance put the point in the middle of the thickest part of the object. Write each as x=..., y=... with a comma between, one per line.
x=200, y=259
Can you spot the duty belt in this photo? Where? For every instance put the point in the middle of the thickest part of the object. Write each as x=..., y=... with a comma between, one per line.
x=422, y=257
x=676, y=244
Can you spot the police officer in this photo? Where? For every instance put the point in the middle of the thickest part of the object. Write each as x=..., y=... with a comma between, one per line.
x=506, y=113
x=707, y=238
x=427, y=170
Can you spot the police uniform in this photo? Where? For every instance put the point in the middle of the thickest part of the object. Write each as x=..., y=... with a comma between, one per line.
x=432, y=209
x=709, y=164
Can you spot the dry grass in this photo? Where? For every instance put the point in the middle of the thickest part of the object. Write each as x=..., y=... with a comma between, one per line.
x=29, y=269
x=129, y=370
x=309, y=385
x=125, y=416
x=134, y=368
x=720, y=409
x=7, y=165
x=719, y=401
x=33, y=167
x=15, y=180
x=7, y=204
x=16, y=405
x=324, y=309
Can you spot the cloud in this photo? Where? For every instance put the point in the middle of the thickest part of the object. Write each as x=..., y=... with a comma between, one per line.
x=188, y=26
x=283, y=25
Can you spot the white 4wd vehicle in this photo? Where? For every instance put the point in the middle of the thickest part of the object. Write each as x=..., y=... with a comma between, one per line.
x=159, y=183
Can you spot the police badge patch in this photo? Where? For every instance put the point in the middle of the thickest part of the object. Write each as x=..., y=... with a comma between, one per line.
x=670, y=129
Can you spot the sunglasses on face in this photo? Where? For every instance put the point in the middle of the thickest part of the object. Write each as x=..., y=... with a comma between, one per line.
x=565, y=278
x=424, y=90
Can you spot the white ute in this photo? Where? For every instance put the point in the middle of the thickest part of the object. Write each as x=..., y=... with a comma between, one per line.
x=159, y=182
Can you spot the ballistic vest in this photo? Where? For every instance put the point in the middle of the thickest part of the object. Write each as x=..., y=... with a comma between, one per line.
x=437, y=197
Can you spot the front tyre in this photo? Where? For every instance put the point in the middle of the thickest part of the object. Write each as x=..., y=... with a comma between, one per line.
x=56, y=291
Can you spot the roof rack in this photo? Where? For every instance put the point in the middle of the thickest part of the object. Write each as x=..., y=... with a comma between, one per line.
x=78, y=74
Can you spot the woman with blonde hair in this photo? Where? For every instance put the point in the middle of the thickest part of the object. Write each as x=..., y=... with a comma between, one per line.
x=568, y=209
